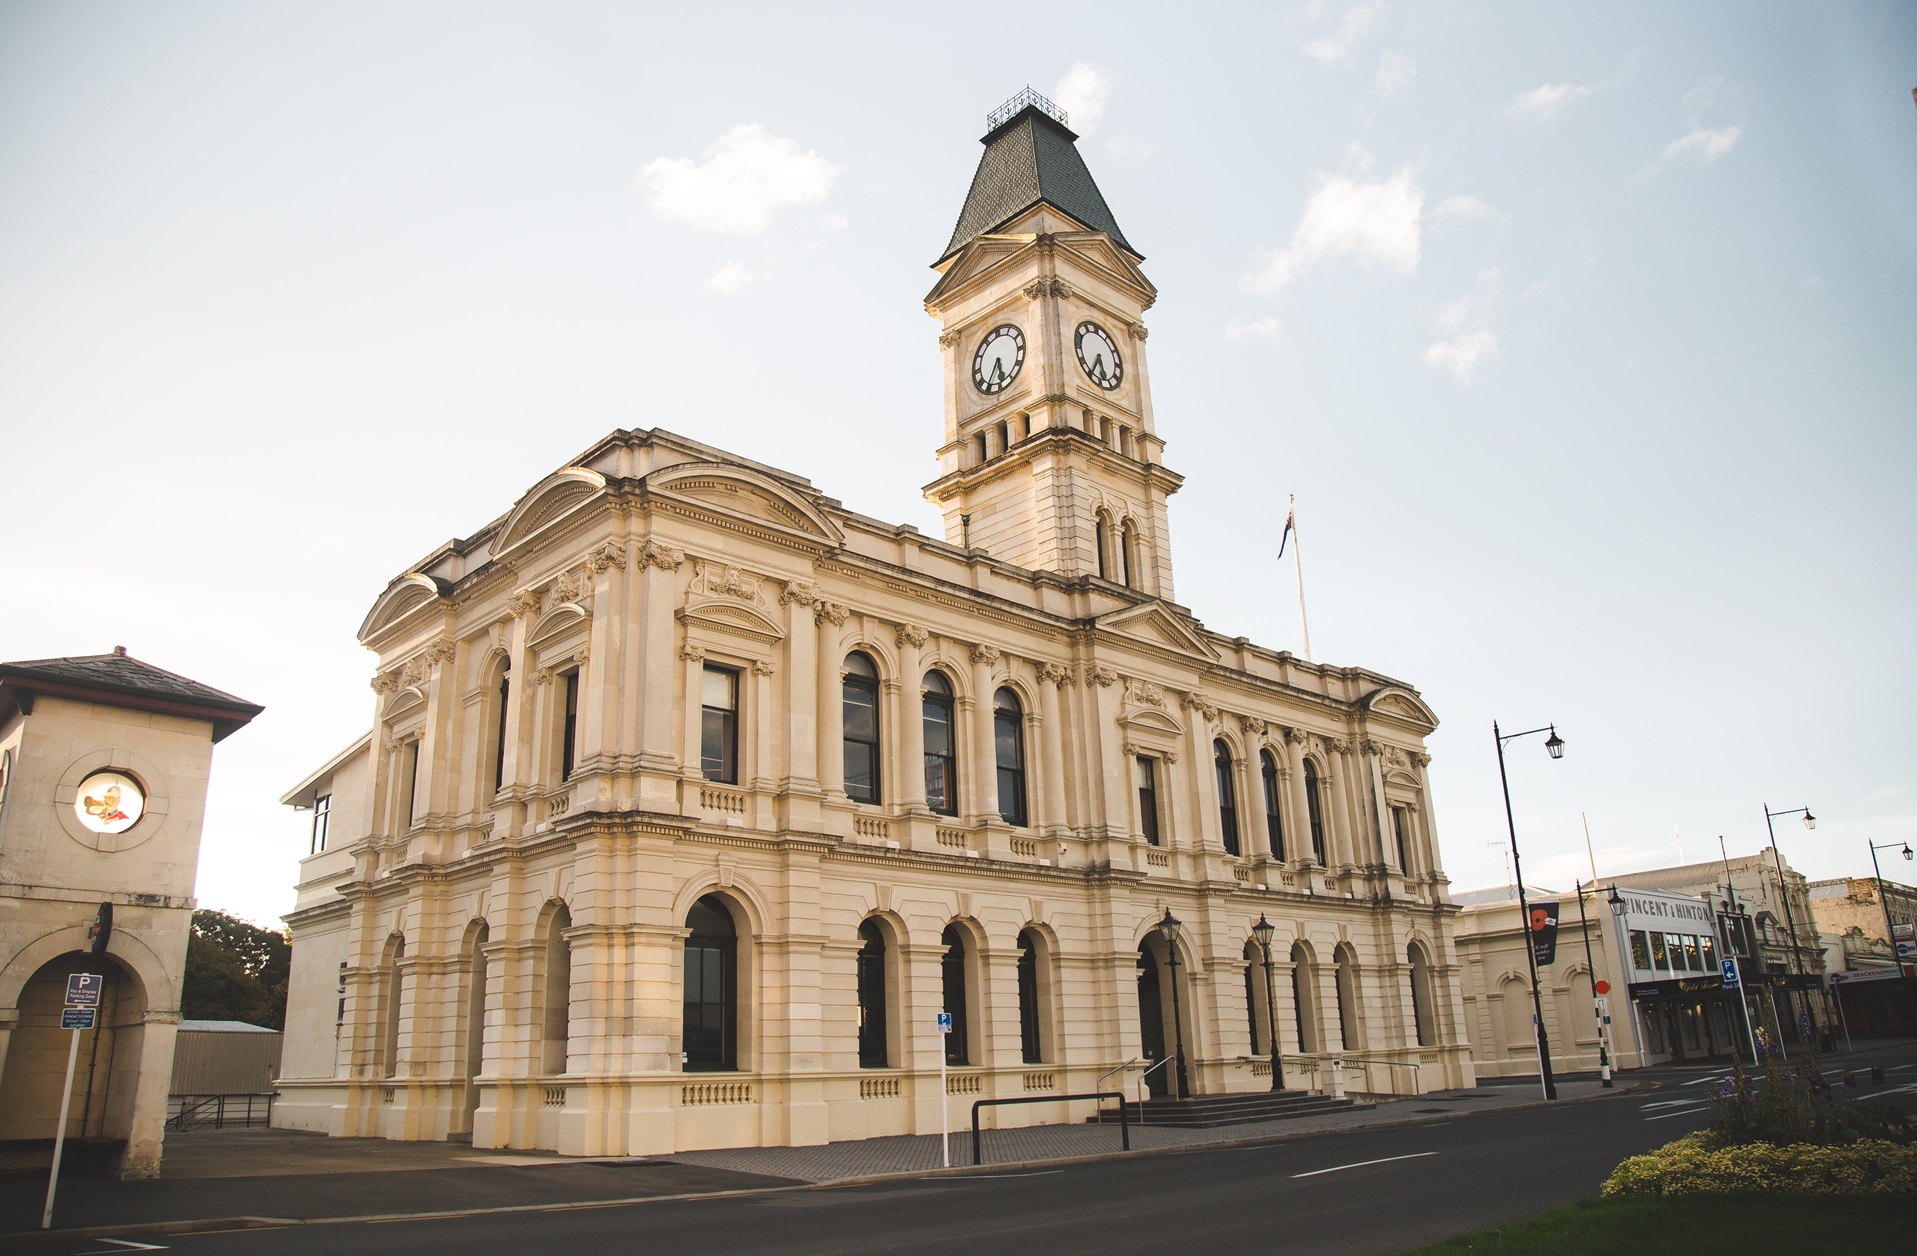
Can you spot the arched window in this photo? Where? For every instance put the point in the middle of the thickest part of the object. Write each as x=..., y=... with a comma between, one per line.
x=874, y=1049
x=1422, y=1009
x=476, y=935
x=952, y=972
x=569, y=726
x=941, y=746
x=1347, y=980
x=1030, y=1030
x=1401, y=830
x=711, y=1006
x=1314, y=808
x=1227, y=796
x=1127, y=543
x=499, y=735
x=861, y=728
x=556, y=994
x=1274, y=806
x=389, y=1035
x=1304, y=1002
x=1008, y=747
x=1101, y=538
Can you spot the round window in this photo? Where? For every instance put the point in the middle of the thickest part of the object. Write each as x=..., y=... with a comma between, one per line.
x=110, y=802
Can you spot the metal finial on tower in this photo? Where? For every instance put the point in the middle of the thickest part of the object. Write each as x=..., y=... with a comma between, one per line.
x=1027, y=97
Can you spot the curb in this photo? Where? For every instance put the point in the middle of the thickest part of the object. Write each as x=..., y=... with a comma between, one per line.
x=206, y=1225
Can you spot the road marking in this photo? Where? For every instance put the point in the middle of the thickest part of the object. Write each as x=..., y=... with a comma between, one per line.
x=1701, y=1080
x=1664, y=1116
x=1667, y=1103
x=1039, y=1173
x=1339, y=1168
x=126, y=1245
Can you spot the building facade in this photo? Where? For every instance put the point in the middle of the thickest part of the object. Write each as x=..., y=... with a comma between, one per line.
x=1875, y=996
x=692, y=797
x=104, y=762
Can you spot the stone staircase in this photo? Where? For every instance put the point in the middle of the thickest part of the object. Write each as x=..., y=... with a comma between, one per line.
x=1243, y=1108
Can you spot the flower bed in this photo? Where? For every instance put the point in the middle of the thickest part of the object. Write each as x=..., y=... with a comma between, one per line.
x=1702, y=1164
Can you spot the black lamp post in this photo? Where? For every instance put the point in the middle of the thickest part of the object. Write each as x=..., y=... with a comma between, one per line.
x=1168, y=933
x=1263, y=931
x=1890, y=927
x=1584, y=926
x=1784, y=891
x=1554, y=745
x=1620, y=936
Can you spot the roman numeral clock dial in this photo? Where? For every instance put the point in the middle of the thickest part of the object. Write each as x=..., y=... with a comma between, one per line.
x=1098, y=354
x=1000, y=357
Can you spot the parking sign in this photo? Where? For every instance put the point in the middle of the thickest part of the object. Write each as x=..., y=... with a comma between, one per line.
x=83, y=989
x=945, y=1022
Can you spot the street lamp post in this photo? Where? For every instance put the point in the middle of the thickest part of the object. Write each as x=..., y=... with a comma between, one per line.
x=1890, y=926
x=1263, y=931
x=1168, y=932
x=1790, y=921
x=1555, y=746
x=1597, y=1000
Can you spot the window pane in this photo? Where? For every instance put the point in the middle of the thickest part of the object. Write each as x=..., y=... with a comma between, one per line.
x=1660, y=958
x=938, y=729
x=1640, y=950
x=861, y=714
x=1005, y=741
x=721, y=688
x=861, y=772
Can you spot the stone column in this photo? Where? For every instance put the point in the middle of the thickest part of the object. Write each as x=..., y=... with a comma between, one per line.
x=1051, y=811
x=910, y=789
x=694, y=657
x=147, y=1121
x=1342, y=848
x=827, y=619
x=984, y=748
x=800, y=690
x=1298, y=809
x=659, y=737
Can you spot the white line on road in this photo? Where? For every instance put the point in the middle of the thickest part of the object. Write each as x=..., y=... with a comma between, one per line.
x=987, y=1177
x=1701, y=1080
x=1362, y=1163
x=1662, y=1116
x=1667, y=1103
x=126, y=1245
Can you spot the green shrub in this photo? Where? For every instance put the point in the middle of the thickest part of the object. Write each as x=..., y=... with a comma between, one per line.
x=1703, y=1164
x=1787, y=1106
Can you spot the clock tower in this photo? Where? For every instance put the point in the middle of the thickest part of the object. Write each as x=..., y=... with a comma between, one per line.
x=1051, y=459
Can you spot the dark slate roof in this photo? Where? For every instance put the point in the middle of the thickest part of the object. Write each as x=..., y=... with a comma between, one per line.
x=133, y=683
x=1032, y=157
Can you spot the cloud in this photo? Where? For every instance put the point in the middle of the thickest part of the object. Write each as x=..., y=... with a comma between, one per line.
x=1082, y=94
x=1263, y=328
x=746, y=174
x=728, y=279
x=1467, y=345
x=1128, y=148
x=1701, y=140
x=1374, y=224
x=1463, y=208
x=1395, y=72
x=1335, y=47
x=838, y=222
x=1541, y=104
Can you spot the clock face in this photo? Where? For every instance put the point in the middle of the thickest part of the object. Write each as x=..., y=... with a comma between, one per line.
x=110, y=802
x=1000, y=357
x=1098, y=354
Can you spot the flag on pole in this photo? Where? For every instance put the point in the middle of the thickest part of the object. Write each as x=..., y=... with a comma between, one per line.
x=1286, y=535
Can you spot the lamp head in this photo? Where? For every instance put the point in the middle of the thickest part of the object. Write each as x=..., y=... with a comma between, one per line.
x=1554, y=744
x=1810, y=821
x=1617, y=903
x=1168, y=927
x=1907, y=853
x=1263, y=931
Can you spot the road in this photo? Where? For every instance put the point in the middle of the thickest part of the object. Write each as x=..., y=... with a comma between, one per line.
x=1376, y=1191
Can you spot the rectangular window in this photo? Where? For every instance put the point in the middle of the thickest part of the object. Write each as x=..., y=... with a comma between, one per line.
x=719, y=725
x=1692, y=959
x=1400, y=824
x=861, y=715
x=569, y=731
x=1660, y=957
x=1640, y=950
x=1148, y=798
x=1707, y=949
x=322, y=817
x=412, y=782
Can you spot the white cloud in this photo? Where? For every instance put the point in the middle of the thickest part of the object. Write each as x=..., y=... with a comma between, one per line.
x=1335, y=47
x=1263, y=328
x=1453, y=210
x=1467, y=345
x=728, y=279
x=746, y=175
x=1082, y=94
x=1541, y=104
x=1395, y=72
x=1374, y=224
x=838, y=222
x=1708, y=143
x=1128, y=148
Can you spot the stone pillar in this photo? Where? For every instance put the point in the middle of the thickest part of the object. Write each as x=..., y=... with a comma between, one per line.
x=694, y=658
x=147, y=1123
x=984, y=748
x=1051, y=813
x=801, y=693
x=827, y=619
x=1342, y=848
x=910, y=787
x=659, y=734
x=1298, y=808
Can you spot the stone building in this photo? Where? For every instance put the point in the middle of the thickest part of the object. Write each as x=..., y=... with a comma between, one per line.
x=103, y=771
x=692, y=796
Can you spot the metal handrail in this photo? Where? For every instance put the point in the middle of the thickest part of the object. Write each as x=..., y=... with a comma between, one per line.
x=1121, y=1068
x=1124, y=1116
x=1378, y=1059
x=1141, y=1084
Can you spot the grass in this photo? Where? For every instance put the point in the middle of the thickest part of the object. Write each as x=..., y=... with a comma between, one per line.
x=1854, y=1224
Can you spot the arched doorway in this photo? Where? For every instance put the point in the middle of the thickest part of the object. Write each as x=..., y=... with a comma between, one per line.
x=475, y=1045
x=108, y=1064
x=1151, y=1023
x=1162, y=1011
x=711, y=1022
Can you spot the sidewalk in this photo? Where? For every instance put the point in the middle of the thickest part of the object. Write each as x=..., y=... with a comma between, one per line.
x=234, y=1178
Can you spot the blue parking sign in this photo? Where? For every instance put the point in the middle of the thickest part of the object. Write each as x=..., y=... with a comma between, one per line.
x=945, y=1022
x=1730, y=971
x=83, y=989
x=76, y=1018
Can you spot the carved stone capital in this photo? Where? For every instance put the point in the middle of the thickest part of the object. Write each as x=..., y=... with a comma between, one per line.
x=1420, y=758
x=1051, y=286
x=1337, y=745
x=1371, y=747
x=1138, y=330
x=912, y=635
x=1101, y=675
x=441, y=651
x=947, y=339
x=1197, y=701
x=1054, y=674
x=385, y=683
x=1296, y=736
x=526, y=602
x=986, y=654
x=664, y=557
x=761, y=667
x=803, y=592
x=830, y=613
x=606, y=555
x=692, y=652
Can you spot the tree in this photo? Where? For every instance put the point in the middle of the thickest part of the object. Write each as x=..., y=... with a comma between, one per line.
x=235, y=971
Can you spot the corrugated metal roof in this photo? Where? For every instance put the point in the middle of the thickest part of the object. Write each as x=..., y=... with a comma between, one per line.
x=1032, y=158
x=223, y=1027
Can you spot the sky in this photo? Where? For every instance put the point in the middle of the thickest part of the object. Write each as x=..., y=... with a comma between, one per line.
x=1583, y=336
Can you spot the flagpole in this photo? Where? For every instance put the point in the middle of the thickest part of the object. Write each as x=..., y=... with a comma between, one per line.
x=1298, y=559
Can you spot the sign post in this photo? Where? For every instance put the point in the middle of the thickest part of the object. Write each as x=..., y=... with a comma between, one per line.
x=83, y=1001
x=1728, y=966
x=945, y=1116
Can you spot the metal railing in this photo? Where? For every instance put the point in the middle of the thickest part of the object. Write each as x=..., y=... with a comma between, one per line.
x=1124, y=1115
x=1141, y=1084
x=1121, y=1068
x=1416, y=1089
x=220, y=1111
x=1020, y=101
